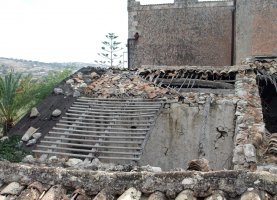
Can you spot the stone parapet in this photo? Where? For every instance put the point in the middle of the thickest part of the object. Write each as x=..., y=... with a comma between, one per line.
x=227, y=184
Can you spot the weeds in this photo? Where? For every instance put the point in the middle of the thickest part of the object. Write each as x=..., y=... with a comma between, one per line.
x=10, y=149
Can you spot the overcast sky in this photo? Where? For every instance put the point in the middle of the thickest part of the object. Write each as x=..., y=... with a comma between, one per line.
x=61, y=30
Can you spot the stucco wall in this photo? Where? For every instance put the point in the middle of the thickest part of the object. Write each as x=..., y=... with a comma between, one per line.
x=256, y=28
x=183, y=33
x=184, y=132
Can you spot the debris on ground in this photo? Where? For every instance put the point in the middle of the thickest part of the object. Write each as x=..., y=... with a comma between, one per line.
x=124, y=84
x=115, y=84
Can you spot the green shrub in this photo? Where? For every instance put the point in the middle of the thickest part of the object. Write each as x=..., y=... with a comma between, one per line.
x=46, y=85
x=18, y=94
x=10, y=150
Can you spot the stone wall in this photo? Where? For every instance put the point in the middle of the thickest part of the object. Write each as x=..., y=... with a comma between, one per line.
x=256, y=27
x=183, y=33
x=202, y=127
x=231, y=185
x=250, y=128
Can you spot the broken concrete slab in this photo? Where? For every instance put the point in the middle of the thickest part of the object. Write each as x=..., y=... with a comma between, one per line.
x=28, y=134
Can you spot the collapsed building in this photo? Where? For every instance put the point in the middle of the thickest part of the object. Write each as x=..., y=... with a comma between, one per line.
x=214, y=120
x=158, y=130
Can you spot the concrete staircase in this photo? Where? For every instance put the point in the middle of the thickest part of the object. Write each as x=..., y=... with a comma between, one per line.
x=109, y=129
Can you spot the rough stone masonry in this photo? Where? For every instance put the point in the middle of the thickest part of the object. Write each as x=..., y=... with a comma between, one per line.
x=191, y=32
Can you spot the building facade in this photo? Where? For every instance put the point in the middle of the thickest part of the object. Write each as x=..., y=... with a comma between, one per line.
x=192, y=32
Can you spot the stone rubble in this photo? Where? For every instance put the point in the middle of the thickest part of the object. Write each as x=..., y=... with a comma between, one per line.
x=31, y=142
x=95, y=164
x=126, y=85
x=30, y=137
x=186, y=194
x=28, y=134
x=34, y=112
x=250, y=153
x=56, y=113
x=4, y=138
x=73, y=162
x=13, y=188
x=157, y=196
x=58, y=91
x=37, y=135
x=29, y=159
x=272, y=168
x=76, y=93
x=130, y=194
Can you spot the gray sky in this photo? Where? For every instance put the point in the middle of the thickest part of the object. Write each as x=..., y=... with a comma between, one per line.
x=61, y=30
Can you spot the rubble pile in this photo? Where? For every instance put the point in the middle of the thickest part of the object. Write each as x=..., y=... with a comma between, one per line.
x=202, y=72
x=126, y=85
x=94, y=164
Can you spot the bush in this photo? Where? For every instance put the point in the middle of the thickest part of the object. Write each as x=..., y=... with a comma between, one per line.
x=11, y=151
x=18, y=94
x=45, y=86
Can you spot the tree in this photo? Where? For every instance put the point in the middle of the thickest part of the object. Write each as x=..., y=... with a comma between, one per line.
x=18, y=94
x=111, y=52
x=14, y=98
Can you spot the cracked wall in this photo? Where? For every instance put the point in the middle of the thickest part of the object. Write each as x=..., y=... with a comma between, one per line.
x=200, y=129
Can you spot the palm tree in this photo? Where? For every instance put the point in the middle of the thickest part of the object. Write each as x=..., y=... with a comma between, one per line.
x=14, y=98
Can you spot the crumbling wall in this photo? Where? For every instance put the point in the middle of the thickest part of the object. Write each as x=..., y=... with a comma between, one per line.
x=232, y=185
x=256, y=27
x=202, y=129
x=250, y=128
x=183, y=33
